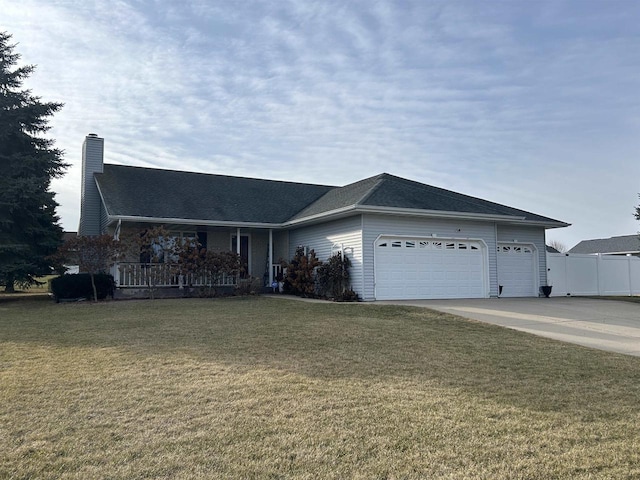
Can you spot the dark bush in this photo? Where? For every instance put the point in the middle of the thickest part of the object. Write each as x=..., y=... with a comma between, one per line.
x=301, y=279
x=333, y=276
x=78, y=285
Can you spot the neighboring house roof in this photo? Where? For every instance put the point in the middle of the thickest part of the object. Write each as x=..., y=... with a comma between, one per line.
x=551, y=249
x=620, y=245
x=129, y=192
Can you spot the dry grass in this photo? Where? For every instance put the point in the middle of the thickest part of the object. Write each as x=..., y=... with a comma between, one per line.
x=270, y=388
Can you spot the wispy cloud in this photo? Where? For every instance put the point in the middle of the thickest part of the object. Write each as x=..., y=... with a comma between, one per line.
x=532, y=104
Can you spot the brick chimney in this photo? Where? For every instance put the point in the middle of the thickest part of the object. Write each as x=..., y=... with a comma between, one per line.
x=90, y=203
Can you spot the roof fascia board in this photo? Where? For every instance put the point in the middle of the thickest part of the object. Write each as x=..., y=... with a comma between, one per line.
x=102, y=198
x=320, y=216
x=438, y=213
x=423, y=213
x=631, y=252
x=189, y=221
x=546, y=224
x=341, y=212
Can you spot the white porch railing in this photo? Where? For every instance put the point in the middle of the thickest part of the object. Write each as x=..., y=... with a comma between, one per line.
x=277, y=270
x=142, y=275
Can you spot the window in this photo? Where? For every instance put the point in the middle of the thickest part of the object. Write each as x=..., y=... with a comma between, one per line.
x=166, y=251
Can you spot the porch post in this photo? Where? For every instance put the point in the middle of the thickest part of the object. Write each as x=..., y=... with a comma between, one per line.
x=238, y=240
x=115, y=272
x=270, y=260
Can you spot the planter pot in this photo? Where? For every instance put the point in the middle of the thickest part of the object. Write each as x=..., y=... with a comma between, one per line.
x=546, y=290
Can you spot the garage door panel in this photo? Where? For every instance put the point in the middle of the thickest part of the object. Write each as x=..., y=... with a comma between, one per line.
x=517, y=270
x=424, y=268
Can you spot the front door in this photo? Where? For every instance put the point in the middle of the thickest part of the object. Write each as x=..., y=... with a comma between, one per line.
x=244, y=253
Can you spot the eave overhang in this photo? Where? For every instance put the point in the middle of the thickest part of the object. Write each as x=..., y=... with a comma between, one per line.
x=630, y=252
x=355, y=209
x=189, y=221
x=337, y=214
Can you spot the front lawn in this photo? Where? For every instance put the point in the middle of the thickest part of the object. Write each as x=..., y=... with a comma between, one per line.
x=274, y=388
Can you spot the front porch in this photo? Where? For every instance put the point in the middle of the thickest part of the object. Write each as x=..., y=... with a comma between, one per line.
x=260, y=251
x=144, y=275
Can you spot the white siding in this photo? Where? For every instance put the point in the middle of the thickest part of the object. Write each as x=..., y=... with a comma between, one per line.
x=533, y=235
x=374, y=225
x=321, y=238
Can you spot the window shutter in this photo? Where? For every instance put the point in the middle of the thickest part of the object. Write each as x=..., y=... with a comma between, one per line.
x=202, y=239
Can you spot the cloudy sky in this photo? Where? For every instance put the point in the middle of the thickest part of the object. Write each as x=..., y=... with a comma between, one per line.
x=534, y=104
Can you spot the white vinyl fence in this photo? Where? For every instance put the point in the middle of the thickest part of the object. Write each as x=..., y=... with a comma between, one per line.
x=580, y=274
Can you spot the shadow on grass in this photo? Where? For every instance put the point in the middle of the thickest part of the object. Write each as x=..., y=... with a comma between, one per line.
x=24, y=296
x=358, y=343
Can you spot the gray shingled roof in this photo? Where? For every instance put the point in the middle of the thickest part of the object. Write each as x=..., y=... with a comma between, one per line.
x=386, y=190
x=340, y=197
x=145, y=192
x=622, y=244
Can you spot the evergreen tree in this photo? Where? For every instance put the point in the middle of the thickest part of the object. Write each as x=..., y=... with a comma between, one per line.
x=29, y=229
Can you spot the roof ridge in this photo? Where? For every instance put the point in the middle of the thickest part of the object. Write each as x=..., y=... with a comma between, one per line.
x=335, y=196
x=379, y=180
x=219, y=175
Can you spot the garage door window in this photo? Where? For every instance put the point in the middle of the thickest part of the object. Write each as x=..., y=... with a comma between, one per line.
x=431, y=244
x=515, y=249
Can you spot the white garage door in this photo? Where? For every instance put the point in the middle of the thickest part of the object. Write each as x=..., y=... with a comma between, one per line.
x=419, y=268
x=516, y=270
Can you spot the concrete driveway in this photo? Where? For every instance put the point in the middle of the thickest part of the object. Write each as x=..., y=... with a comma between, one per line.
x=603, y=324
